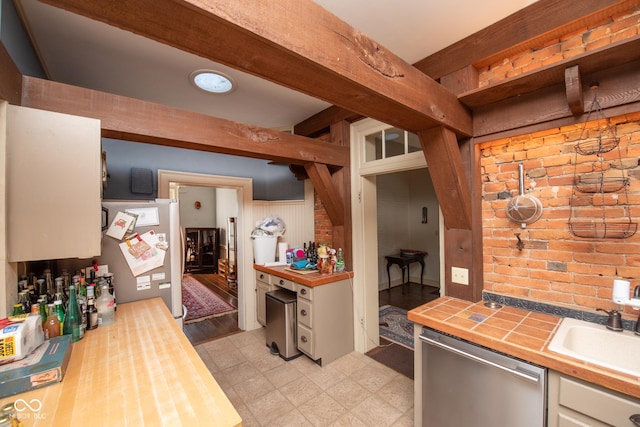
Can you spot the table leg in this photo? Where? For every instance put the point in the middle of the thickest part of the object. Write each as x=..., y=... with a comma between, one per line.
x=388, y=277
x=421, y=271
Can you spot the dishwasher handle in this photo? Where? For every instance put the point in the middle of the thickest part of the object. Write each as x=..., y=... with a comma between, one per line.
x=523, y=375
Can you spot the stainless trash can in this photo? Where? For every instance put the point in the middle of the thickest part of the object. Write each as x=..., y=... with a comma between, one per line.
x=281, y=324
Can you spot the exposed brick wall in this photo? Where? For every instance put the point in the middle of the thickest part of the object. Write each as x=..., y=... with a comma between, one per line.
x=323, y=229
x=555, y=266
x=611, y=30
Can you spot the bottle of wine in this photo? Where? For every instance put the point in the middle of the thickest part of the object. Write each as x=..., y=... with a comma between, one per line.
x=73, y=318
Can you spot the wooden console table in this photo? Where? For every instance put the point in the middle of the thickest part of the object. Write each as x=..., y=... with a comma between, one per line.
x=404, y=260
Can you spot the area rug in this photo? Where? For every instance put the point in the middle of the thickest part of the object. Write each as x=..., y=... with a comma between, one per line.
x=395, y=326
x=201, y=302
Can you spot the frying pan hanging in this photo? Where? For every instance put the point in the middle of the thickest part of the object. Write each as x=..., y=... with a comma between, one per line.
x=524, y=209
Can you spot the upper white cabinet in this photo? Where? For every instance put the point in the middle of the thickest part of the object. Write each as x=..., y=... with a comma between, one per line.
x=54, y=185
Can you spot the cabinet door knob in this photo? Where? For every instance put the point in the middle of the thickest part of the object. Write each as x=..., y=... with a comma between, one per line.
x=262, y=276
x=303, y=291
x=303, y=339
x=281, y=282
x=303, y=312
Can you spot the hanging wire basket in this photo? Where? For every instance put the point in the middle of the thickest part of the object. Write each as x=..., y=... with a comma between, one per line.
x=597, y=183
x=598, y=145
x=599, y=229
x=605, y=141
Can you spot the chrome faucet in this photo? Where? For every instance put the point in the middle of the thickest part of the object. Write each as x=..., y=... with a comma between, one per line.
x=614, y=322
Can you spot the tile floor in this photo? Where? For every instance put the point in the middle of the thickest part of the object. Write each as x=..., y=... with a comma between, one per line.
x=354, y=390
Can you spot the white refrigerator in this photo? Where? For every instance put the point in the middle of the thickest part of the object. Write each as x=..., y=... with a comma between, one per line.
x=161, y=219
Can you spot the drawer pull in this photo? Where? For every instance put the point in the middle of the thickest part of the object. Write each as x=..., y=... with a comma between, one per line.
x=303, y=291
x=303, y=312
x=281, y=282
x=635, y=419
x=262, y=276
x=303, y=338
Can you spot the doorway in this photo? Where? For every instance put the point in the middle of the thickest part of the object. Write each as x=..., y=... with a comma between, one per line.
x=169, y=181
x=373, y=157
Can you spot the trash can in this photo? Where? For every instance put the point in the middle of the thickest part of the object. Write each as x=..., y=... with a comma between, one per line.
x=264, y=249
x=281, y=324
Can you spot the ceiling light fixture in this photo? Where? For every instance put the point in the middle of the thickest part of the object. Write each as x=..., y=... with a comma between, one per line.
x=212, y=81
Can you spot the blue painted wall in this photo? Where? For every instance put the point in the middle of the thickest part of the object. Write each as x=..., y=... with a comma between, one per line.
x=270, y=181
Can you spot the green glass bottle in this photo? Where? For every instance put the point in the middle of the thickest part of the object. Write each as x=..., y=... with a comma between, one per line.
x=73, y=318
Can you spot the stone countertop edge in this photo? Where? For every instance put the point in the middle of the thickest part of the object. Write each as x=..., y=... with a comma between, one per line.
x=308, y=279
x=424, y=315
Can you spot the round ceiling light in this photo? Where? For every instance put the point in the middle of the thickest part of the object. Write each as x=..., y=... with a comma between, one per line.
x=212, y=81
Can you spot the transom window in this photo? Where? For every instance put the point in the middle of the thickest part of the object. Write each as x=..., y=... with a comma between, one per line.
x=390, y=142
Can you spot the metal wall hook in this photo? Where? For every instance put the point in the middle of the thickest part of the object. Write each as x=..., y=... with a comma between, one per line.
x=520, y=244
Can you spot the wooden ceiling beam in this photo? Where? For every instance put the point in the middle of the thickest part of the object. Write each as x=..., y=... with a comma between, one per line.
x=141, y=121
x=543, y=19
x=327, y=191
x=524, y=28
x=10, y=78
x=297, y=44
x=447, y=172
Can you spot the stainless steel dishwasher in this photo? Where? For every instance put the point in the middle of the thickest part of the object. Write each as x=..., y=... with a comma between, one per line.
x=464, y=384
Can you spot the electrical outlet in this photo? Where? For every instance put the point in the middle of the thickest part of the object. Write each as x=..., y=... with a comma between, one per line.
x=460, y=275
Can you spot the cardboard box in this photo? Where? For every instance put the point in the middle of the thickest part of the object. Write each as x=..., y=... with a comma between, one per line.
x=46, y=365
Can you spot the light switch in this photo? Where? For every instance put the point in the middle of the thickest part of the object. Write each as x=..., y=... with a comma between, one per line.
x=460, y=275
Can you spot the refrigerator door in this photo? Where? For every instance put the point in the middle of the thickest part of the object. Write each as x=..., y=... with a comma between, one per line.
x=161, y=216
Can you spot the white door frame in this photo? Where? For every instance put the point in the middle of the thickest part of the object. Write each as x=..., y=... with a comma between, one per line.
x=244, y=191
x=365, y=230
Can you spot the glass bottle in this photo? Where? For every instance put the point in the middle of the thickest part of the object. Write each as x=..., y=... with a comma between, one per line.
x=105, y=307
x=23, y=298
x=42, y=303
x=340, y=261
x=49, y=286
x=73, y=319
x=52, y=324
x=17, y=309
x=60, y=313
x=92, y=311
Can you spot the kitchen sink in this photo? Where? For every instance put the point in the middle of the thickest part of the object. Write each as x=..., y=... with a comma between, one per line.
x=596, y=344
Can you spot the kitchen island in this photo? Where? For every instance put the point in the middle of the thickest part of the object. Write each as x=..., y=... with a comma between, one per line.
x=141, y=370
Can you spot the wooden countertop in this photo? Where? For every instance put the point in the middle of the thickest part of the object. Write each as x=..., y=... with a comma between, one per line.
x=307, y=279
x=518, y=333
x=141, y=370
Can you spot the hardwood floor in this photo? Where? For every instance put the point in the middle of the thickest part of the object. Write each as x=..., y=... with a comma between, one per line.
x=408, y=296
x=215, y=327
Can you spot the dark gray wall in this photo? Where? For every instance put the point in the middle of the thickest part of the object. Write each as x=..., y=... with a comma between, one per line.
x=15, y=39
x=270, y=181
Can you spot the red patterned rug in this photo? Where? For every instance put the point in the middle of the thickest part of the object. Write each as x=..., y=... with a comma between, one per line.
x=201, y=302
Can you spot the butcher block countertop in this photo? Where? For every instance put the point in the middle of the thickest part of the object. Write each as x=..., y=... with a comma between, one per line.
x=516, y=332
x=304, y=277
x=140, y=371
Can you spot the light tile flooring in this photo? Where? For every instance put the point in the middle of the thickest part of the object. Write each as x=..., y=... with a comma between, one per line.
x=354, y=390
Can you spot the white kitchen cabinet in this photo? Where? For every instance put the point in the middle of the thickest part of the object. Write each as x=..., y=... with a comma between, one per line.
x=573, y=402
x=325, y=320
x=54, y=185
x=263, y=285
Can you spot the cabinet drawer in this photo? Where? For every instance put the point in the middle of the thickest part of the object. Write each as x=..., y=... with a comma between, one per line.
x=284, y=283
x=305, y=340
x=304, y=292
x=604, y=405
x=305, y=313
x=263, y=277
